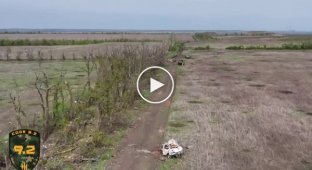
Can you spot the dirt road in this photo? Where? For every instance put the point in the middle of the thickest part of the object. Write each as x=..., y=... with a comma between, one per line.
x=139, y=149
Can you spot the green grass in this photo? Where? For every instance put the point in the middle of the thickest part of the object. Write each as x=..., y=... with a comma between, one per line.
x=177, y=126
x=305, y=38
x=214, y=120
x=176, y=47
x=115, y=139
x=180, y=71
x=3, y=102
x=300, y=113
x=286, y=46
x=106, y=154
x=98, y=145
x=170, y=164
x=249, y=112
x=17, y=76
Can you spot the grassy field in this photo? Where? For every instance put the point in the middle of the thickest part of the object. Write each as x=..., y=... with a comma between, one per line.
x=243, y=109
x=19, y=78
x=61, y=52
x=232, y=109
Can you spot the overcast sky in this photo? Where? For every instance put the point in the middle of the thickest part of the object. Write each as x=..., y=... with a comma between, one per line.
x=158, y=14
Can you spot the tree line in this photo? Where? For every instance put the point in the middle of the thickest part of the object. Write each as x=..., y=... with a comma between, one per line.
x=54, y=42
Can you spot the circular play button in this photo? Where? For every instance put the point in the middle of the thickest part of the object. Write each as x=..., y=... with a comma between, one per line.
x=155, y=85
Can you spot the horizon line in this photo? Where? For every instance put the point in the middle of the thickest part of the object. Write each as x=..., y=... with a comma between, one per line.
x=69, y=30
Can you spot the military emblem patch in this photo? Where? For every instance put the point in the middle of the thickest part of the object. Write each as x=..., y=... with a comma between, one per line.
x=24, y=148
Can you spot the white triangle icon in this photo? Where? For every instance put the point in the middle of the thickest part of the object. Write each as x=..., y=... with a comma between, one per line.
x=154, y=85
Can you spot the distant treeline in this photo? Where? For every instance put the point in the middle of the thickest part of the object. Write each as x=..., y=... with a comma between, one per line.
x=204, y=36
x=287, y=46
x=251, y=33
x=47, y=32
x=52, y=42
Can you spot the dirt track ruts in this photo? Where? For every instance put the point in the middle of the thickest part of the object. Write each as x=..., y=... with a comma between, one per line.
x=139, y=149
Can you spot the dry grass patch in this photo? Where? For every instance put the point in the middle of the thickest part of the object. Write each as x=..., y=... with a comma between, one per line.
x=246, y=124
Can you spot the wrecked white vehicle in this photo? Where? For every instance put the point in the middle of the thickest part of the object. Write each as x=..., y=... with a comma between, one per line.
x=172, y=148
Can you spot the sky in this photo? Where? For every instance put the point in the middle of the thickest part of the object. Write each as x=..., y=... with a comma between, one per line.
x=269, y=15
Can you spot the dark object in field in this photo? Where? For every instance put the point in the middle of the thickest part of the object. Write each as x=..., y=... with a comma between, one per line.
x=181, y=62
x=257, y=85
x=225, y=101
x=286, y=91
x=195, y=102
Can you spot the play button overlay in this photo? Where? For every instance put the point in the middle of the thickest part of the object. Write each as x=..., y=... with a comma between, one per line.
x=155, y=85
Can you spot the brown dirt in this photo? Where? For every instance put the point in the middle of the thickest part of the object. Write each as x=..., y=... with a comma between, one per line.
x=140, y=148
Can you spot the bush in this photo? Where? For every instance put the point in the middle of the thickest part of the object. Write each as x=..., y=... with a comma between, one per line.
x=99, y=109
x=117, y=71
x=203, y=36
x=240, y=47
x=202, y=48
x=287, y=46
x=176, y=47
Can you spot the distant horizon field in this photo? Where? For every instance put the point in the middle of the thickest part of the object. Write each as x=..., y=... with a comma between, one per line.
x=131, y=31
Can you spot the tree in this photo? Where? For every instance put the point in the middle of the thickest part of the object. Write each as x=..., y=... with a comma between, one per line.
x=8, y=52
x=43, y=88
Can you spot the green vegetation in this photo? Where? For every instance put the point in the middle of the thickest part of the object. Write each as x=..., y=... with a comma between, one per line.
x=170, y=164
x=98, y=105
x=286, y=46
x=177, y=124
x=207, y=47
x=298, y=38
x=14, y=77
x=176, y=46
x=53, y=42
x=251, y=33
x=204, y=36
